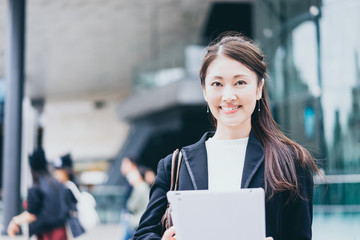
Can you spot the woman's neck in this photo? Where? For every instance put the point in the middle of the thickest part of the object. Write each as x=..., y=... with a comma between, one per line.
x=231, y=132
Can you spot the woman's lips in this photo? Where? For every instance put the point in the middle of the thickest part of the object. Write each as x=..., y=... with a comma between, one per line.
x=230, y=109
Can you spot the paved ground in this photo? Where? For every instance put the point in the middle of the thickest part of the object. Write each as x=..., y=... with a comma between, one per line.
x=102, y=232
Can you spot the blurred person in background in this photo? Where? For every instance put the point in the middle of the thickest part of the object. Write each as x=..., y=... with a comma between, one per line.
x=82, y=204
x=64, y=168
x=64, y=173
x=138, y=198
x=47, y=207
x=147, y=174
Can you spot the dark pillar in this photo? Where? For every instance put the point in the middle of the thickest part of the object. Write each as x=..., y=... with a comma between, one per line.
x=14, y=76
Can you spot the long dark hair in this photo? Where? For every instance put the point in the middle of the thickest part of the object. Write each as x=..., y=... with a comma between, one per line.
x=38, y=166
x=282, y=155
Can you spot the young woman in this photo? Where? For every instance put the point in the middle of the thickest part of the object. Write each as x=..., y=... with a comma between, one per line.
x=64, y=173
x=247, y=149
x=47, y=207
x=138, y=197
x=63, y=169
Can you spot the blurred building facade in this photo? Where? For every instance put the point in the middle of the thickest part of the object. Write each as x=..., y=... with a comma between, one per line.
x=312, y=49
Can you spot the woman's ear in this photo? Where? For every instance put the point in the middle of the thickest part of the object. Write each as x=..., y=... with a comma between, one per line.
x=204, y=93
x=259, y=90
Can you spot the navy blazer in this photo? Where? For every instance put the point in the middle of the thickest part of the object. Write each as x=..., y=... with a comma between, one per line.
x=285, y=219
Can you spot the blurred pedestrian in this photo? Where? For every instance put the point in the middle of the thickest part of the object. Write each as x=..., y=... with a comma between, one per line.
x=82, y=204
x=64, y=173
x=138, y=199
x=64, y=168
x=47, y=209
x=147, y=174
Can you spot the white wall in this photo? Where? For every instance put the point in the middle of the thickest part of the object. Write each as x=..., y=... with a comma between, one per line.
x=88, y=133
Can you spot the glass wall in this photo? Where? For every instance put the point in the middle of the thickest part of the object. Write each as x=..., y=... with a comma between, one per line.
x=313, y=50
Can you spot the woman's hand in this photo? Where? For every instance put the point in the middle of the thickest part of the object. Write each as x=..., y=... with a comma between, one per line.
x=269, y=238
x=16, y=221
x=169, y=234
x=13, y=229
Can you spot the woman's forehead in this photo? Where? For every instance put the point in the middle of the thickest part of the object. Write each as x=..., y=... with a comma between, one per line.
x=224, y=66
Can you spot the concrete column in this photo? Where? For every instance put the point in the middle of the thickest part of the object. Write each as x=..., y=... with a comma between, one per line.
x=14, y=75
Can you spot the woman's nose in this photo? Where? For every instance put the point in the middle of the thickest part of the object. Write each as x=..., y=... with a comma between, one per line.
x=229, y=95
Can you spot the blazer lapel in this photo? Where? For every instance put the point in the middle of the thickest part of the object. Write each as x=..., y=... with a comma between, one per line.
x=254, y=156
x=195, y=157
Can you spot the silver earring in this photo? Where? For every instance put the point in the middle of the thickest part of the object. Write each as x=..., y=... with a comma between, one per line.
x=207, y=108
x=259, y=105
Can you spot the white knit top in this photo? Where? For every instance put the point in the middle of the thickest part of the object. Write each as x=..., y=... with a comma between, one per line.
x=225, y=163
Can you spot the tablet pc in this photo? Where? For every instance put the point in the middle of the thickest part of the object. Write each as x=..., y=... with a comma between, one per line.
x=213, y=215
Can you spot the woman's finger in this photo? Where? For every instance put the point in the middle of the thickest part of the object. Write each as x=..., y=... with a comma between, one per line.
x=168, y=234
x=269, y=238
x=12, y=229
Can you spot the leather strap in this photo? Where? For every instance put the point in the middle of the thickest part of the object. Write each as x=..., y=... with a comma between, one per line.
x=166, y=221
x=173, y=163
x=178, y=171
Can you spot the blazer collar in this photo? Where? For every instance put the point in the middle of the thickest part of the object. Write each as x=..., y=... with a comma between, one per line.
x=254, y=156
x=195, y=157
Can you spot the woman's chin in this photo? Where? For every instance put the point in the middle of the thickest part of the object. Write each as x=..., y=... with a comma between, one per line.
x=234, y=124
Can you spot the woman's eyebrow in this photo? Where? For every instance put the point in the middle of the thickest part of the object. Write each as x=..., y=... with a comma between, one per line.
x=241, y=75
x=216, y=77
x=235, y=76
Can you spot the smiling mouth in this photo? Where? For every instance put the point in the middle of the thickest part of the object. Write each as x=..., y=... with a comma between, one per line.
x=230, y=108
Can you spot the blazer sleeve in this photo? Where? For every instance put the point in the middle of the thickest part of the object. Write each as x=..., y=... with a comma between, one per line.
x=298, y=213
x=150, y=223
x=34, y=200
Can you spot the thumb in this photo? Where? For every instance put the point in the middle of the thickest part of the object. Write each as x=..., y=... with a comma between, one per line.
x=168, y=234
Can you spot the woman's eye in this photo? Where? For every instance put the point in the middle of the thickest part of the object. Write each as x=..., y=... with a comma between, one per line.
x=216, y=84
x=241, y=82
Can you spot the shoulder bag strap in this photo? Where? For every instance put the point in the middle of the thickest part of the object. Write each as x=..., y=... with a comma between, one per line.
x=75, y=191
x=178, y=171
x=173, y=163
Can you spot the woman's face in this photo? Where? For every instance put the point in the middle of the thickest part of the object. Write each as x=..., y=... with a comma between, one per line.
x=231, y=91
x=61, y=175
